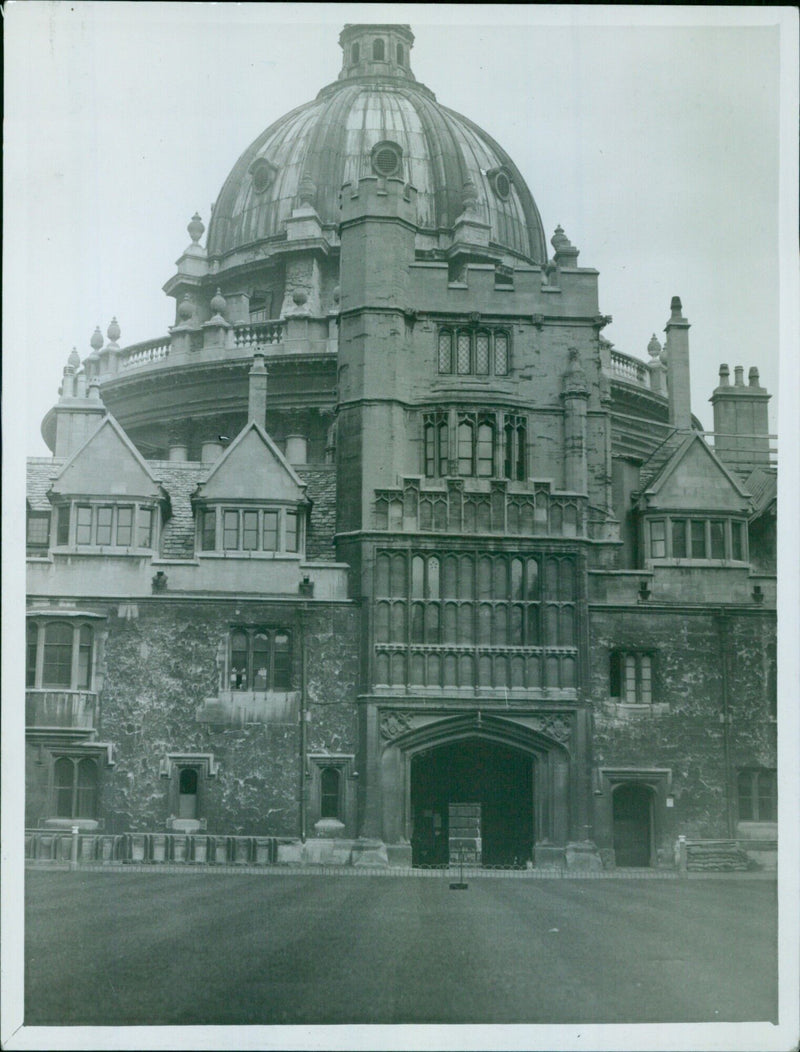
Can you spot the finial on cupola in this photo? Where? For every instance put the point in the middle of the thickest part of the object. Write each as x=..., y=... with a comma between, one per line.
x=565, y=251
x=196, y=228
x=96, y=342
x=218, y=303
x=74, y=360
x=113, y=332
x=654, y=347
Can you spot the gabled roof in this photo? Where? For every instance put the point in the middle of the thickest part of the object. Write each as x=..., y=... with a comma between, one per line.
x=252, y=468
x=107, y=464
x=762, y=485
x=685, y=473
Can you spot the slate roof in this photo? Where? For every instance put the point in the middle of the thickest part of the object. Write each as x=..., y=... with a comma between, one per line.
x=762, y=486
x=41, y=472
x=180, y=479
x=659, y=458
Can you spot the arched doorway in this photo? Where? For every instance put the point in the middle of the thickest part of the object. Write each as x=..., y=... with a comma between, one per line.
x=496, y=779
x=633, y=824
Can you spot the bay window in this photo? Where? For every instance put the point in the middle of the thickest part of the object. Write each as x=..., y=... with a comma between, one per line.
x=106, y=525
x=59, y=655
x=706, y=538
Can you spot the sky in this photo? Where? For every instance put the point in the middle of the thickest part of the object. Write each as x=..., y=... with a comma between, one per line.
x=656, y=147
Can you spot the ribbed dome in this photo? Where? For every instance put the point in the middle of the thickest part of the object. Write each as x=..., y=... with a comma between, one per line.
x=308, y=154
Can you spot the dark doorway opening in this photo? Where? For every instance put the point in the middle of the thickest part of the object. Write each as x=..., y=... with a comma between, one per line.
x=498, y=778
x=633, y=825
x=187, y=793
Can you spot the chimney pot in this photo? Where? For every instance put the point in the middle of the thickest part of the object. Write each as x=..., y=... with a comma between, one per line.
x=738, y=373
x=752, y=377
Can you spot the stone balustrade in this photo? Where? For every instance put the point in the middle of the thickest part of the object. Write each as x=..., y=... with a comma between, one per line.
x=145, y=353
x=630, y=369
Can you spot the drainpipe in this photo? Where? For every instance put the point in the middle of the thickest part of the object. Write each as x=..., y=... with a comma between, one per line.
x=722, y=626
x=303, y=732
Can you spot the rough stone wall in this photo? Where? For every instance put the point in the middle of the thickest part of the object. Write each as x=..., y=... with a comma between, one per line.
x=687, y=737
x=162, y=665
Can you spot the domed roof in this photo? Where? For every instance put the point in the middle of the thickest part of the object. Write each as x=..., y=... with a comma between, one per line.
x=308, y=154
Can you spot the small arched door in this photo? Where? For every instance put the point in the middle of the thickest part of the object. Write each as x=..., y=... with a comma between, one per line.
x=633, y=825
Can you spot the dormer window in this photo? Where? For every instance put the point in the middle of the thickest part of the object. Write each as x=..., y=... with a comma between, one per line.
x=103, y=524
x=251, y=530
x=696, y=538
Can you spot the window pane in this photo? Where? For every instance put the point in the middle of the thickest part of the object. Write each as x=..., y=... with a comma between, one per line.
x=615, y=675
x=433, y=577
x=646, y=680
x=250, y=530
x=261, y=661
x=104, y=525
x=432, y=623
x=282, y=658
x=508, y=460
x=445, y=355
x=83, y=529
x=465, y=448
x=57, y=670
x=417, y=623
x=230, y=530
x=516, y=579
x=145, y=538
x=270, y=543
x=444, y=453
x=86, y=802
x=522, y=460
x=717, y=539
x=209, y=540
x=125, y=525
x=501, y=354
x=630, y=679
x=430, y=450
x=63, y=779
x=462, y=353
x=291, y=531
x=38, y=529
x=737, y=541
x=679, y=538
x=658, y=543
x=482, y=354
x=485, y=451
x=698, y=529
x=85, y=658
x=30, y=660
x=239, y=649
x=62, y=526
x=329, y=793
x=533, y=579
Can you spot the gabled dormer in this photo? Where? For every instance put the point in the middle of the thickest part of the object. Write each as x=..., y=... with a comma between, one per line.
x=253, y=504
x=105, y=498
x=692, y=509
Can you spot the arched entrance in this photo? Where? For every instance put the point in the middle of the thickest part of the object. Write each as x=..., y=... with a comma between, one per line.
x=632, y=806
x=495, y=779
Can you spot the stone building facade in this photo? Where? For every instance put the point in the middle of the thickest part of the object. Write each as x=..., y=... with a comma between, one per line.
x=385, y=527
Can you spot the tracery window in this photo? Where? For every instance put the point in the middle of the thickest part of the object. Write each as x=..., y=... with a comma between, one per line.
x=473, y=352
x=259, y=659
x=486, y=445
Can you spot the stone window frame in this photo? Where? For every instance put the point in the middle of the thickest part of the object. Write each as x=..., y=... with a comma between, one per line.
x=252, y=631
x=35, y=650
x=344, y=764
x=78, y=763
x=454, y=439
x=69, y=512
x=452, y=338
x=758, y=779
x=501, y=181
x=218, y=510
x=669, y=524
x=618, y=678
x=34, y=545
x=171, y=767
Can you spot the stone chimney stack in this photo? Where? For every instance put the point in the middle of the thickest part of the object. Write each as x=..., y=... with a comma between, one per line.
x=257, y=390
x=677, y=351
x=741, y=425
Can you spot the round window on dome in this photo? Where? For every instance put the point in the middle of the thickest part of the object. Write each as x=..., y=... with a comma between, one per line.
x=387, y=157
x=501, y=183
x=262, y=174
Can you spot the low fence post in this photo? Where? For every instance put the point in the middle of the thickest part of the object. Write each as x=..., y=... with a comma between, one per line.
x=73, y=849
x=683, y=856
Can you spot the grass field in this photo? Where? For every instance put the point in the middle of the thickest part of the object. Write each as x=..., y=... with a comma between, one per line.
x=138, y=947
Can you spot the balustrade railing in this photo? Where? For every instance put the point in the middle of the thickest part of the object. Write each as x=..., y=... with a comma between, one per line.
x=628, y=368
x=252, y=334
x=73, y=709
x=145, y=353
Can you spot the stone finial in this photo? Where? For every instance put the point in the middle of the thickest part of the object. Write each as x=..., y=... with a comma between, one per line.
x=654, y=347
x=185, y=308
x=724, y=375
x=565, y=251
x=299, y=296
x=307, y=190
x=96, y=342
x=752, y=377
x=738, y=374
x=113, y=331
x=559, y=239
x=196, y=228
x=676, y=307
x=74, y=361
x=218, y=302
